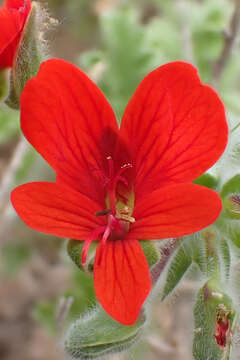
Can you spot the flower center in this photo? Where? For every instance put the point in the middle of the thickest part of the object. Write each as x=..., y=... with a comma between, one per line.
x=118, y=220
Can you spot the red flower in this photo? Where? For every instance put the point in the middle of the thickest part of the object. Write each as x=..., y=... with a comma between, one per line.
x=117, y=186
x=13, y=15
x=223, y=333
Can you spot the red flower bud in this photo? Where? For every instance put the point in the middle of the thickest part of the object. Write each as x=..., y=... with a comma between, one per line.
x=13, y=16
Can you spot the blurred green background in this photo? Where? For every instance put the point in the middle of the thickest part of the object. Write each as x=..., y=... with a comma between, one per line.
x=117, y=42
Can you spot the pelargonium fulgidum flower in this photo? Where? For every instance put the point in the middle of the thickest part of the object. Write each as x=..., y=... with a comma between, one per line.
x=117, y=186
x=13, y=16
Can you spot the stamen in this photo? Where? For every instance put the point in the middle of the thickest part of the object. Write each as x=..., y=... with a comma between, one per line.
x=106, y=235
x=93, y=236
x=124, y=215
x=103, y=212
x=117, y=226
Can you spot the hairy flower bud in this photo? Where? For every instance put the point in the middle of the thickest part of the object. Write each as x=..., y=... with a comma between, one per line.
x=3, y=84
x=214, y=317
x=96, y=334
x=29, y=55
x=232, y=206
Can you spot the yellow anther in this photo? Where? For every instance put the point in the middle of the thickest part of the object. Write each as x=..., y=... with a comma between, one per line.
x=126, y=165
x=124, y=215
x=125, y=210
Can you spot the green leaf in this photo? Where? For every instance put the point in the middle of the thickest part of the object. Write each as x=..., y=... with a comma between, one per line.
x=96, y=334
x=179, y=264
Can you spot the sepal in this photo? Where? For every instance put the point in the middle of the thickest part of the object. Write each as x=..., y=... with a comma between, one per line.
x=95, y=334
x=3, y=84
x=207, y=180
x=151, y=252
x=74, y=250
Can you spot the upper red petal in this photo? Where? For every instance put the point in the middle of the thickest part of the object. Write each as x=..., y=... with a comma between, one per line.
x=70, y=123
x=121, y=279
x=55, y=209
x=175, y=210
x=13, y=15
x=175, y=126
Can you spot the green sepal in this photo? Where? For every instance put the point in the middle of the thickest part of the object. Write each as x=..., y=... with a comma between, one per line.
x=27, y=60
x=231, y=186
x=224, y=256
x=179, y=265
x=3, y=84
x=96, y=334
x=234, y=232
x=150, y=251
x=211, y=301
x=207, y=180
x=74, y=250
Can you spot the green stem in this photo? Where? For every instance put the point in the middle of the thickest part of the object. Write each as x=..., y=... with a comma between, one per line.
x=235, y=128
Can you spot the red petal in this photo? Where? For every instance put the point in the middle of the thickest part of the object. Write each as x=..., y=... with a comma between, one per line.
x=70, y=123
x=56, y=210
x=17, y=4
x=11, y=27
x=13, y=15
x=175, y=125
x=175, y=210
x=121, y=278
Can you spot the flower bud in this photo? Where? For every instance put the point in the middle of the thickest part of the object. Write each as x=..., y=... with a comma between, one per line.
x=232, y=206
x=214, y=317
x=209, y=235
x=29, y=55
x=13, y=16
x=95, y=334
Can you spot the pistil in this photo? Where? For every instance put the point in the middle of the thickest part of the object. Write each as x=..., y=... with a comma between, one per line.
x=117, y=221
x=113, y=181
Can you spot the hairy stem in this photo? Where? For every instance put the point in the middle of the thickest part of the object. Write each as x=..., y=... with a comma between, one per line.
x=166, y=252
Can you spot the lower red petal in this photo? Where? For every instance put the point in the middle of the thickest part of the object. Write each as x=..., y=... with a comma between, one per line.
x=122, y=279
